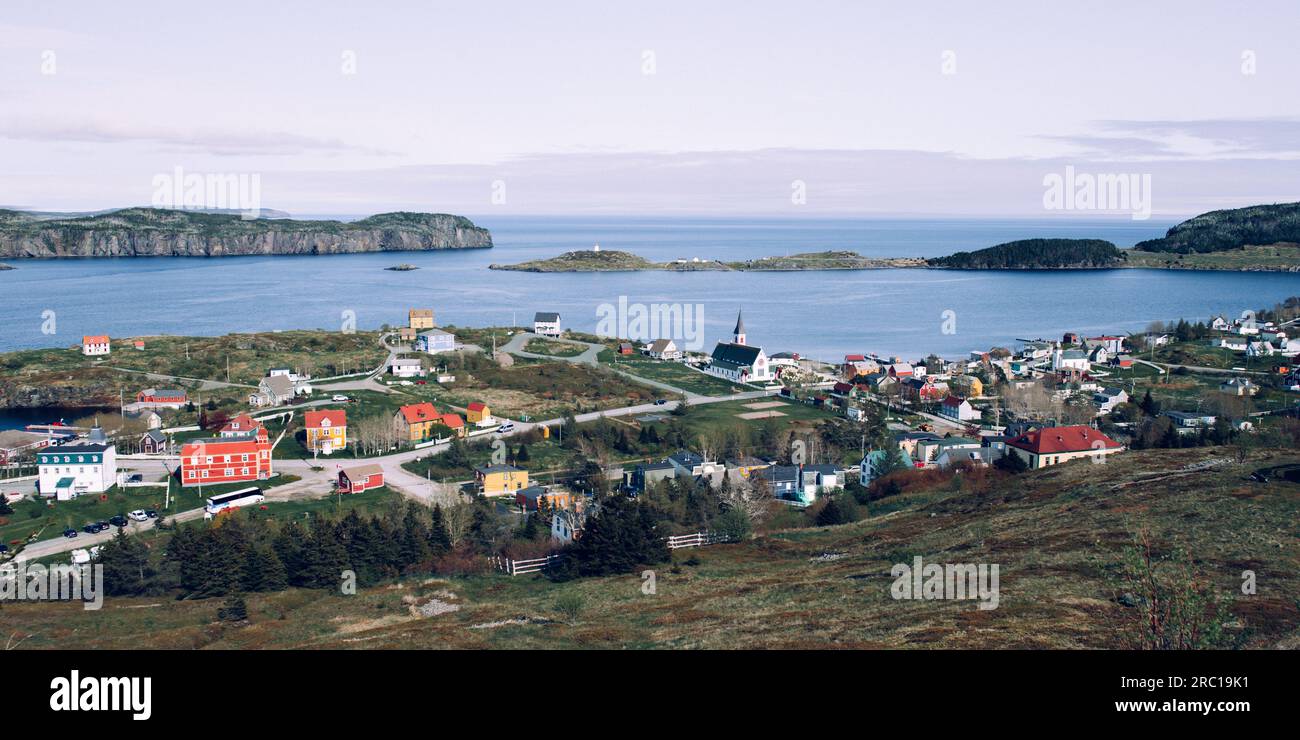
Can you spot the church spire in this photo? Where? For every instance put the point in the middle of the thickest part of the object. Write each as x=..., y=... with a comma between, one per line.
x=740, y=329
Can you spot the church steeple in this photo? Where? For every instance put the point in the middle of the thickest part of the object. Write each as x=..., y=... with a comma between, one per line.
x=740, y=329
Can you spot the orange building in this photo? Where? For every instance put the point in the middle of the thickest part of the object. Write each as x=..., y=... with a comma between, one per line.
x=327, y=430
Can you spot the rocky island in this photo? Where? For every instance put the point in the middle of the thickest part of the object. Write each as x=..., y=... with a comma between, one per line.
x=154, y=232
x=612, y=260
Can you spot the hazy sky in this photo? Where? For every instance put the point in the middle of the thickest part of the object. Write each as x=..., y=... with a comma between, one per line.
x=663, y=107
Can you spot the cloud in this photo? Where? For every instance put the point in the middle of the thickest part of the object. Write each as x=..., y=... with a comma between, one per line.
x=1191, y=139
x=217, y=142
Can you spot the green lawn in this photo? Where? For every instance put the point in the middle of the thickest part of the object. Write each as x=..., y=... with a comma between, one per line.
x=673, y=373
x=554, y=348
x=48, y=518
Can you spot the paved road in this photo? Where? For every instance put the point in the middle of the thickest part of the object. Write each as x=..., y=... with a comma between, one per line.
x=516, y=347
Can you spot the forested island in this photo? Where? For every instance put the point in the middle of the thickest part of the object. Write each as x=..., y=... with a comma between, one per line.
x=613, y=260
x=1036, y=254
x=156, y=232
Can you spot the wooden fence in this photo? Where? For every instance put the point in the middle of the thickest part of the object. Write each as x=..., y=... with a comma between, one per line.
x=513, y=567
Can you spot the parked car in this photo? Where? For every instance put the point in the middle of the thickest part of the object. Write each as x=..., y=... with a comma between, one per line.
x=151, y=513
x=660, y=402
x=70, y=533
x=101, y=526
x=118, y=521
x=138, y=515
x=1259, y=476
x=4, y=547
x=91, y=528
x=339, y=398
x=421, y=382
x=506, y=427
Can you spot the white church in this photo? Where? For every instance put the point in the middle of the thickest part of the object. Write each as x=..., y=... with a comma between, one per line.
x=737, y=361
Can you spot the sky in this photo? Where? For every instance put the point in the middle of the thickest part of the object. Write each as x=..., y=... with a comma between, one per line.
x=675, y=108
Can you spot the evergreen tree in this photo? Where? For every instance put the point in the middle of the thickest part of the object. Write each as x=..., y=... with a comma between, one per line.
x=838, y=510
x=619, y=537
x=264, y=572
x=439, y=538
x=415, y=538
x=233, y=610
x=522, y=454
x=290, y=547
x=5, y=508
x=126, y=565
x=326, y=558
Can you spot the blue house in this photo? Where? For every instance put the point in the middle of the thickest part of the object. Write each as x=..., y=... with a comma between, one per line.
x=434, y=341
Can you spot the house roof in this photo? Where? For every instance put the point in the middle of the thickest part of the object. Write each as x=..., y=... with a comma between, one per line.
x=1051, y=440
x=418, y=412
x=453, y=420
x=164, y=392
x=661, y=465
x=361, y=471
x=155, y=435
x=241, y=423
x=316, y=419
x=280, y=385
x=95, y=339
x=546, y=317
x=60, y=449
x=854, y=358
x=435, y=333
x=953, y=401
x=477, y=406
x=780, y=473
x=489, y=469
x=662, y=345
x=735, y=355
x=421, y=313
x=686, y=458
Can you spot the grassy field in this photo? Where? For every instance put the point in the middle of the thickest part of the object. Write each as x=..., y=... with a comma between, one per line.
x=1276, y=257
x=553, y=348
x=1057, y=535
x=543, y=390
x=673, y=373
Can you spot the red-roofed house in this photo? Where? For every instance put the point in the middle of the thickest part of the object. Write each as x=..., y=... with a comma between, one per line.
x=161, y=398
x=414, y=423
x=327, y=430
x=1054, y=445
x=95, y=345
x=226, y=459
x=455, y=423
x=242, y=424
x=478, y=412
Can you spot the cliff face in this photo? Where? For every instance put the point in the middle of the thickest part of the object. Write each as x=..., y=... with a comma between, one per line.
x=148, y=232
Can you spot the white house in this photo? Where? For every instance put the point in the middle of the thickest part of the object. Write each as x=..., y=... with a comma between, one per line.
x=664, y=349
x=1107, y=399
x=1070, y=359
x=958, y=409
x=95, y=345
x=71, y=470
x=1219, y=323
x=546, y=324
x=1236, y=345
x=737, y=361
x=405, y=367
x=1260, y=349
x=434, y=341
x=1239, y=387
x=566, y=525
x=273, y=390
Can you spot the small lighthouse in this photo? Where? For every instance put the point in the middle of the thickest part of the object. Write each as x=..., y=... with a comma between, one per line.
x=596, y=248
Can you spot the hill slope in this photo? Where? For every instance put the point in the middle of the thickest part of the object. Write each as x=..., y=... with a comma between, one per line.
x=153, y=232
x=1036, y=254
x=1058, y=537
x=1218, y=231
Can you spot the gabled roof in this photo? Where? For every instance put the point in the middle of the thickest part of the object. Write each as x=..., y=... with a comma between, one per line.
x=546, y=317
x=489, y=469
x=953, y=401
x=418, y=412
x=315, y=419
x=361, y=471
x=662, y=345
x=1052, y=440
x=477, y=406
x=95, y=339
x=241, y=423
x=453, y=420
x=686, y=458
x=280, y=385
x=735, y=355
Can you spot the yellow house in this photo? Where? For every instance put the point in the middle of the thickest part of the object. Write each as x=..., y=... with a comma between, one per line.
x=476, y=412
x=327, y=430
x=969, y=384
x=421, y=318
x=499, y=480
x=415, y=422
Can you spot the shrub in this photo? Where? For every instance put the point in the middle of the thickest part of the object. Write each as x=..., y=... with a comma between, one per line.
x=569, y=606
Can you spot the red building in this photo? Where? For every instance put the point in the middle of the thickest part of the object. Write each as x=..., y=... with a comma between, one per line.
x=232, y=458
x=360, y=478
x=162, y=397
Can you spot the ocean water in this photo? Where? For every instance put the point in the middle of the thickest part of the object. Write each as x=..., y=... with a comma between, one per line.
x=818, y=314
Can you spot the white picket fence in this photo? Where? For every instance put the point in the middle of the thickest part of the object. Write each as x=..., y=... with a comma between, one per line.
x=696, y=539
x=520, y=567
x=533, y=565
